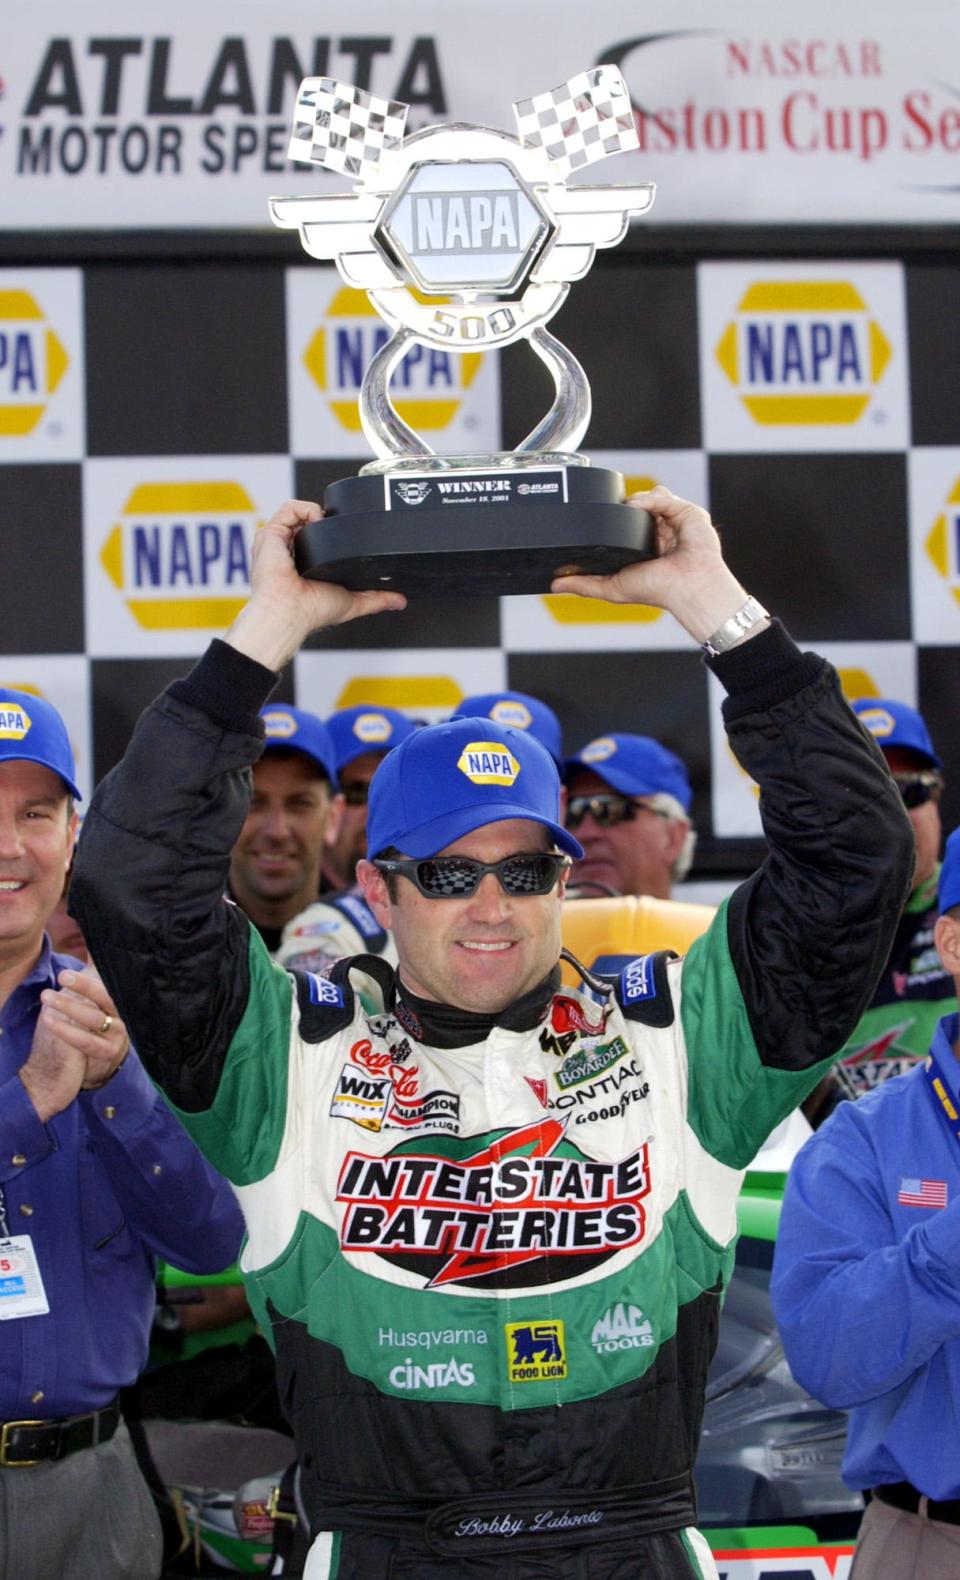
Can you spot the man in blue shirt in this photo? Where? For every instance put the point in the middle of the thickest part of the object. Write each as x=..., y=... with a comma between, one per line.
x=97, y=1178
x=866, y=1290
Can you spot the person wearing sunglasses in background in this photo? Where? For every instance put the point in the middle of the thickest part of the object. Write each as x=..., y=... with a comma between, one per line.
x=629, y=806
x=493, y=1299
x=340, y=922
x=915, y=989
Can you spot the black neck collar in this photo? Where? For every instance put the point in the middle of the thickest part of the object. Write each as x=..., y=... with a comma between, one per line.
x=446, y=1026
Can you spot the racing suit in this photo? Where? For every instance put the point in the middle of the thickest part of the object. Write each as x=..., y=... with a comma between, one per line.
x=490, y=1255
x=330, y=928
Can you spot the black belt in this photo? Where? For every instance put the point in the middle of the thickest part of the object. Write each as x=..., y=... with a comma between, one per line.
x=33, y=1442
x=900, y=1495
x=520, y=1521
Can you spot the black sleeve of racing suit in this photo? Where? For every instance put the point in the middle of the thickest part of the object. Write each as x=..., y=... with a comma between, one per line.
x=810, y=931
x=151, y=869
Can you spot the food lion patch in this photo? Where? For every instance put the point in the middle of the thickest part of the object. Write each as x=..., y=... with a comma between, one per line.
x=15, y=722
x=488, y=763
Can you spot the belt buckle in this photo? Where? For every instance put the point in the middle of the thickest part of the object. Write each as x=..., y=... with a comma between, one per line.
x=5, y=1430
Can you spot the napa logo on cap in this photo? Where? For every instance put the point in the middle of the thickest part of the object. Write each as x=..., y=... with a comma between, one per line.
x=372, y=728
x=15, y=721
x=179, y=553
x=942, y=543
x=33, y=361
x=878, y=721
x=804, y=352
x=279, y=725
x=428, y=390
x=488, y=763
x=512, y=714
x=599, y=750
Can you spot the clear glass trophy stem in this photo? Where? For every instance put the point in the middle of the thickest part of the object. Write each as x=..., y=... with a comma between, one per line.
x=387, y=433
x=569, y=417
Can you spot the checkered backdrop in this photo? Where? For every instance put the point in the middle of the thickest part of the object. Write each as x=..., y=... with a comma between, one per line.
x=155, y=404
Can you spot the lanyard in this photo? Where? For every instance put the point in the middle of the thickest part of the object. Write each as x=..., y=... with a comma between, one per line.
x=942, y=1098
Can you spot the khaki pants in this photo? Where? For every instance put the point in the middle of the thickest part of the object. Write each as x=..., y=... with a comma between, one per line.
x=87, y=1517
x=896, y=1545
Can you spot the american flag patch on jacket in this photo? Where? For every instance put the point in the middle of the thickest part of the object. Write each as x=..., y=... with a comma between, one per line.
x=922, y=1193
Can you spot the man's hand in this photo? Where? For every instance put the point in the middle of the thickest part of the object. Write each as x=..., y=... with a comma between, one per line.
x=689, y=577
x=79, y=1042
x=285, y=607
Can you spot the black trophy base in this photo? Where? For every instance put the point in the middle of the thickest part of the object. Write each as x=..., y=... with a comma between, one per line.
x=481, y=531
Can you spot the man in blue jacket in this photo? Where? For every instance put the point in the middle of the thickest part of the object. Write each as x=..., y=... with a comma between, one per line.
x=97, y=1178
x=866, y=1290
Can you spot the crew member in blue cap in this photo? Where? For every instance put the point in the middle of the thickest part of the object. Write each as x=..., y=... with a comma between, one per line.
x=295, y=808
x=915, y=990
x=460, y=1178
x=866, y=1289
x=341, y=922
x=361, y=736
x=629, y=805
x=97, y=1179
x=516, y=710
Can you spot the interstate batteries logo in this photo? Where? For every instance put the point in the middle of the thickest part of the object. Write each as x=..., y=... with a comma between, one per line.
x=505, y=1211
x=803, y=357
x=333, y=333
x=40, y=379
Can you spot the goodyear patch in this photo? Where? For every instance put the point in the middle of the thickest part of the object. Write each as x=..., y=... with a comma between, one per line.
x=488, y=763
x=536, y=1351
x=589, y=1062
x=15, y=721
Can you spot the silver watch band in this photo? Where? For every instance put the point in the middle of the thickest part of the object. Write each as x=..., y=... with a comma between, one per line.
x=726, y=635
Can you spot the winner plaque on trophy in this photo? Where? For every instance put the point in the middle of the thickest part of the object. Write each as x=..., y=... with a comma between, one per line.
x=466, y=239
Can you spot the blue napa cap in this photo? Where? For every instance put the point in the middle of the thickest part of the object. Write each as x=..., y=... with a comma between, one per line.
x=366, y=728
x=950, y=873
x=634, y=765
x=32, y=731
x=298, y=730
x=516, y=710
x=448, y=779
x=896, y=724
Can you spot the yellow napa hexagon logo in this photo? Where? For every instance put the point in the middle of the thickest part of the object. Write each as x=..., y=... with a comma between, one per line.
x=372, y=728
x=33, y=361
x=15, y=721
x=569, y=610
x=426, y=390
x=180, y=554
x=488, y=763
x=804, y=353
x=422, y=697
x=942, y=543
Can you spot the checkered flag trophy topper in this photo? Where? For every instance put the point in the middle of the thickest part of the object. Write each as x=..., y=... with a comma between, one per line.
x=466, y=239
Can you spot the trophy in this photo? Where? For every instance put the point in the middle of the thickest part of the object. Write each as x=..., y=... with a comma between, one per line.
x=467, y=239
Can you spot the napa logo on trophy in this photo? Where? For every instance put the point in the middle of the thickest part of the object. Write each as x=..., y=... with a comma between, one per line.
x=803, y=357
x=178, y=553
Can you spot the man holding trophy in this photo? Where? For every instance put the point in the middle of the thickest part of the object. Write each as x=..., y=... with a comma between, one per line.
x=493, y=1297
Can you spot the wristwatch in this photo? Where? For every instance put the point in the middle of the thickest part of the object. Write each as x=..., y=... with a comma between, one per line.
x=728, y=634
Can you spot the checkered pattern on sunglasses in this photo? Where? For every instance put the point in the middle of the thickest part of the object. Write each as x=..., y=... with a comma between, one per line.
x=608, y=810
x=458, y=877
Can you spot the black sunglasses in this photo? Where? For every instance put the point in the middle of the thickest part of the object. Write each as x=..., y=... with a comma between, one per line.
x=608, y=810
x=457, y=877
x=917, y=789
